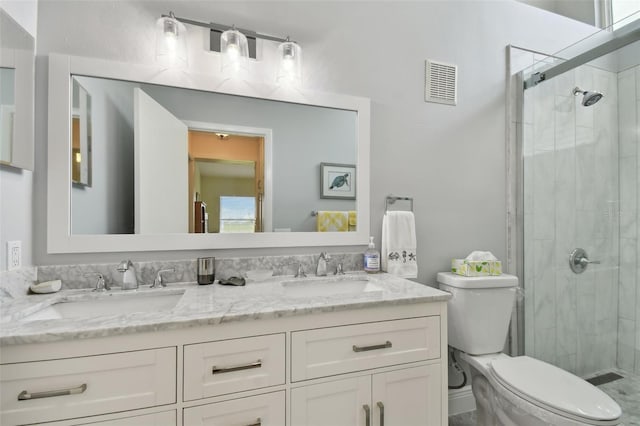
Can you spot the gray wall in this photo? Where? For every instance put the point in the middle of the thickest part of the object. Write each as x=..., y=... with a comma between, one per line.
x=450, y=159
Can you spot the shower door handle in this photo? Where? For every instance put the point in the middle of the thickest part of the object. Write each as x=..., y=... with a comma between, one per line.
x=578, y=261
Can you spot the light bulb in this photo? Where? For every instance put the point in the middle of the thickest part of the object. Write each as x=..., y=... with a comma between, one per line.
x=235, y=50
x=290, y=65
x=171, y=44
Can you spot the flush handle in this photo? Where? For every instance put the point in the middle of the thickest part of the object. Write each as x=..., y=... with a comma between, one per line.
x=579, y=260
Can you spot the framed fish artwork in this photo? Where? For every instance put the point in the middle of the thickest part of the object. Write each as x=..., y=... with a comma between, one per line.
x=338, y=181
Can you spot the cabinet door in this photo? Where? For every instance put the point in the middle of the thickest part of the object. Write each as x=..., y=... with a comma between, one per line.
x=259, y=410
x=337, y=403
x=407, y=397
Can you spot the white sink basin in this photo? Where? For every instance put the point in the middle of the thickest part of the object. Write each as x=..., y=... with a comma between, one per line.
x=328, y=287
x=109, y=304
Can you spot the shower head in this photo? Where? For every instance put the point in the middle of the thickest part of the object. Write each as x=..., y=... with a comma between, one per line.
x=589, y=98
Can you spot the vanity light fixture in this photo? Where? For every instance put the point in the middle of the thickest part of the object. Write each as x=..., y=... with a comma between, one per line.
x=222, y=136
x=237, y=45
x=290, y=62
x=171, y=42
x=234, y=47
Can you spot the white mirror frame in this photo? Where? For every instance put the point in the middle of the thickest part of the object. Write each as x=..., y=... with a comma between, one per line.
x=59, y=237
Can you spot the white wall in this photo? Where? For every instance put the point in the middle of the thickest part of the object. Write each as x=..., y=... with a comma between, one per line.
x=450, y=159
x=16, y=185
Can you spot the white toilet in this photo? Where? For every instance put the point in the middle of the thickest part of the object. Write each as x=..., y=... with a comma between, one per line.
x=518, y=391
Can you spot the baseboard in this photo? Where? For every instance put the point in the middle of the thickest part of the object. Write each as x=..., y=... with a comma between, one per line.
x=461, y=400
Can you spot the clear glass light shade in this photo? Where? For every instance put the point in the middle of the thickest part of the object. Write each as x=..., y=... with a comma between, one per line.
x=235, y=50
x=290, y=66
x=171, y=43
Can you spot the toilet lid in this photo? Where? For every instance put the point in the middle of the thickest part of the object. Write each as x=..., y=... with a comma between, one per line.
x=549, y=386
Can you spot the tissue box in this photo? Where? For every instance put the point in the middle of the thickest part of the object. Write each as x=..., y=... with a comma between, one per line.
x=476, y=268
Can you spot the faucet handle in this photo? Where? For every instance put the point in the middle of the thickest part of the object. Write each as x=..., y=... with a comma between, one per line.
x=124, y=265
x=300, y=272
x=158, y=281
x=101, y=284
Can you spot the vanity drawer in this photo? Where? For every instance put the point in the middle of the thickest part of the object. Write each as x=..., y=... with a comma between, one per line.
x=228, y=366
x=165, y=418
x=76, y=387
x=259, y=410
x=336, y=350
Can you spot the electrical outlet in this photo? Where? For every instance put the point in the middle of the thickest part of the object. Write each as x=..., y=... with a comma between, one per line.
x=14, y=255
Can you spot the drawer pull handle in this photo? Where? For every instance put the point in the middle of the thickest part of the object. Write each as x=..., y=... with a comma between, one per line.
x=367, y=415
x=25, y=396
x=216, y=370
x=381, y=407
x=385, y=345
x=257, y=423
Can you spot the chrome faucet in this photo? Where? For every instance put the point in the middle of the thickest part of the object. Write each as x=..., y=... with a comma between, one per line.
x=159, y=282
x=129, y=279
x=321, y=270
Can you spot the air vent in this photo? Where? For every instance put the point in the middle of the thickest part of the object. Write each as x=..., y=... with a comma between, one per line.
x=441, y=80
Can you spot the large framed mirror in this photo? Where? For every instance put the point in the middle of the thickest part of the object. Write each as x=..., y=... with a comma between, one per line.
x=17, y=50
x=180, y=161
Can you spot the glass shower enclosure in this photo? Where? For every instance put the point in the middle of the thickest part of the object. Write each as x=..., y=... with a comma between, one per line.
x=577, y=127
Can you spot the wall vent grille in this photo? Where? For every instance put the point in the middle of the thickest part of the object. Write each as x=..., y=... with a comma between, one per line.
x=441, y=83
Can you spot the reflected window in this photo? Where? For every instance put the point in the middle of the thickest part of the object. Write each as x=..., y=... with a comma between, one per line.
x=237, y=214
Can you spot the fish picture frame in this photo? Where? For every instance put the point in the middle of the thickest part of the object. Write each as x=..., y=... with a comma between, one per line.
x=338, y=181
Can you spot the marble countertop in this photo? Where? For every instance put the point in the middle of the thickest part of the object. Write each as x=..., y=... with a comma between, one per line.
x=208, y=305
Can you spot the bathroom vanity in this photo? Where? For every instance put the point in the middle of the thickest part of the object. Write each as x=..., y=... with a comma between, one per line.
x=354, y=350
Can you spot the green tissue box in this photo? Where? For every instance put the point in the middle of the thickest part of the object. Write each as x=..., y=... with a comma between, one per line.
x=476, y=268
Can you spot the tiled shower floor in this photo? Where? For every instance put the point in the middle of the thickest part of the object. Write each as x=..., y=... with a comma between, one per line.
x=625, y=391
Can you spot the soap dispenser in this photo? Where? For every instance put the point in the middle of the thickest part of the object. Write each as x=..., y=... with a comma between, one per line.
x=372, y=258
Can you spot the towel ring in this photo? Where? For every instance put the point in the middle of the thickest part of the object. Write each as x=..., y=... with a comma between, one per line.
x=391, y=199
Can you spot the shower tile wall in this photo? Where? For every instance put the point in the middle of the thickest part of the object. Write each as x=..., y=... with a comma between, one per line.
x=629, y=295
x=571, y=200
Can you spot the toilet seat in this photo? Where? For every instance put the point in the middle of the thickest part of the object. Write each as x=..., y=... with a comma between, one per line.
x=554, y=389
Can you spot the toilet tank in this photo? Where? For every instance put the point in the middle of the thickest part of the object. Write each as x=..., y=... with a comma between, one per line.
x=479, y=312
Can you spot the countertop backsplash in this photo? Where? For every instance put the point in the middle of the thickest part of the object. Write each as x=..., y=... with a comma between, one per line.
x=16, y=283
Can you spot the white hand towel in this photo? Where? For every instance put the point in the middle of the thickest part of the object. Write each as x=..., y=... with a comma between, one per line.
x=399, y=244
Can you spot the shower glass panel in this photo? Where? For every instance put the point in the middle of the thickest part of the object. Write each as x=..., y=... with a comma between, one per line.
x=580, y=189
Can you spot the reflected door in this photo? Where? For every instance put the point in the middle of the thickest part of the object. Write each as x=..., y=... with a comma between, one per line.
x=161, y=180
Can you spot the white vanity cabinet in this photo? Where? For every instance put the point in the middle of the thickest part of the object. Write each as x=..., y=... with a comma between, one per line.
x=322, y=369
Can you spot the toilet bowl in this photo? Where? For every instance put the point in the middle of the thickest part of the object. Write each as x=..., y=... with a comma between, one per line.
x=514, y=391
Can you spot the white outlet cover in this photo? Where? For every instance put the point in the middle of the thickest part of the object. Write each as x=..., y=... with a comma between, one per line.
x=14, y=255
